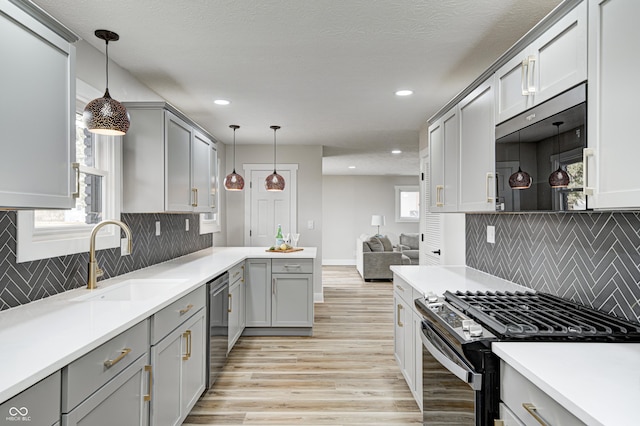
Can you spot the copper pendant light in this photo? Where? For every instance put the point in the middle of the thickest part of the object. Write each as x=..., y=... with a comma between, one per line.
x=105, y=115
x=274, y=182
x=520, y=179
x=559, y=178
x=233, y=181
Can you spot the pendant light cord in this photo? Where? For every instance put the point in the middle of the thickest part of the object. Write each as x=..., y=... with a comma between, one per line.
x=107, y=63
x=274, y=150
x=234, y=150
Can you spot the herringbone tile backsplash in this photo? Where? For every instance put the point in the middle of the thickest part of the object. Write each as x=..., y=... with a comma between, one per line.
x=21, y=283
x=590, y=258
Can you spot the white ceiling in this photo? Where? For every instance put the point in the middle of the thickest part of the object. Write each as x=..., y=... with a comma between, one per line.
x=324, y=70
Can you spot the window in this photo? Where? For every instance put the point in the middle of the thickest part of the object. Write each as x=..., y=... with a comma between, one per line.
x=48, y=233
x=210, y=222
x=572, y=197
x=407, y=203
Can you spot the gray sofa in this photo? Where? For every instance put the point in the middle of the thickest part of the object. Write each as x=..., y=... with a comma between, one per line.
x=410, y=246
x=374, y=256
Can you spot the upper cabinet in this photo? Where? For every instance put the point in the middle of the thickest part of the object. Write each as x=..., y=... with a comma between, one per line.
x=443, y=154
x=614, y=36
x=37, y=104
x=170, y=164
x=551, y=64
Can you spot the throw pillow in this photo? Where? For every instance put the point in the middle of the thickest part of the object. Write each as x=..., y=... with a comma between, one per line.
x=375, y=244
x=386, y=243
x=410, y=240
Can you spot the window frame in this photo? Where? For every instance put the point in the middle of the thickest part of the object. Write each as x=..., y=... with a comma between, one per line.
x=399, y=189
x=46, y=242
x=211, y=226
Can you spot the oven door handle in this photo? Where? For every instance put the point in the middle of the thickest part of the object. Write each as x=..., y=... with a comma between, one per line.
x=468, y=376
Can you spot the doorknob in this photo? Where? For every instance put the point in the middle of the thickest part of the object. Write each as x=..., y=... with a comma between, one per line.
x=436, y=252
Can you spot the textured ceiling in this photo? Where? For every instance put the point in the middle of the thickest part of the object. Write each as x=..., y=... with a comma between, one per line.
x=326, y=71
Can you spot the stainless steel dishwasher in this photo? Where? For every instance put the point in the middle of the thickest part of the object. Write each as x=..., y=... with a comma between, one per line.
x=218, y=325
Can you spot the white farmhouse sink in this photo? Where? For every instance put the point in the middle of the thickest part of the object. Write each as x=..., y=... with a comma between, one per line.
x=132, y=290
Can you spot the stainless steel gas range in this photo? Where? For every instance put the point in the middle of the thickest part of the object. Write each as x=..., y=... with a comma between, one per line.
x=461, y=376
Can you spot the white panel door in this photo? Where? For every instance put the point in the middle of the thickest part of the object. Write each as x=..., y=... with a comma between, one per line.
x=268, y=209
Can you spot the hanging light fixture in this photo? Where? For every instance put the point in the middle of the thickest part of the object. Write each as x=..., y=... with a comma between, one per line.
x=105, y=115
x=233, y=181
x=559, y=178
x=274, y=181
x=520, y=179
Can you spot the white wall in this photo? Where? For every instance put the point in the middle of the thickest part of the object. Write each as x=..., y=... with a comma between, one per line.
x=348, y=203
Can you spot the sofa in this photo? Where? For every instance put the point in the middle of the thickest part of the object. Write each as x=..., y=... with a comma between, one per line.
x=374, y=256
x=409, y=245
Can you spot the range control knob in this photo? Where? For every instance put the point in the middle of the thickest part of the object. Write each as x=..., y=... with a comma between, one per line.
x=466, y=324
x=431, y=298
x=475, y=330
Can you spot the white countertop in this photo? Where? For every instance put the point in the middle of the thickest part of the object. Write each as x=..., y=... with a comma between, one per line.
x=41, y=337
x=599, y=383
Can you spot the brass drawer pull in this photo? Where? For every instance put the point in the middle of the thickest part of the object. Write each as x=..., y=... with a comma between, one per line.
x=400, y=324
x=531, y=409
x=195, y=197
x=187, y=336
x=230, y=308
x=186, y=309
x=149, y=368
x=76, y=167
x=111, y=362
x=399, y=288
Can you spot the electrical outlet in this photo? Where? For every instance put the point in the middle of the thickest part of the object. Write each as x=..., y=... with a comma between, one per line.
x=157, y=228
x=491, y=234
x=124, y=247
x=310, y=224
x=186, y=224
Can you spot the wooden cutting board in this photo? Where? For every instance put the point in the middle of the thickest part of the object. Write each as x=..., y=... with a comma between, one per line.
x=291, y=250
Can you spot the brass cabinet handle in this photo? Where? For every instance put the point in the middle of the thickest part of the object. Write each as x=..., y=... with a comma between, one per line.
x=149, y=368
x=111, y=362
x=531, y=88
x=399, y=288
x=487, y=186
x=523, y=76
x=242, y=267
x=531, y=409
x=439, y=190
x=229, y=308
x=586, y=153
x=400, y=324
x=498, y=422
x=273, y=286
x=186, y=309
x=187, y=337
x=195, y=197
x=76, y=167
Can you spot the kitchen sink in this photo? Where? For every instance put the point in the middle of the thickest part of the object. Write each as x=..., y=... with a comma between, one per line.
x=132, y=290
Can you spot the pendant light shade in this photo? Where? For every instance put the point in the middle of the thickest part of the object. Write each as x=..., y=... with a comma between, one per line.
x=559, y=178
x=105, y=115
x=233, y=181
x=520, y=179
x=274, y=181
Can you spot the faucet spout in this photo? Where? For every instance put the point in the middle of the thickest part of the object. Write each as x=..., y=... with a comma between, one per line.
x=94, y=271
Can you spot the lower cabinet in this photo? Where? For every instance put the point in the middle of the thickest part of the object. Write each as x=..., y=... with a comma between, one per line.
x=37, y=405
x=178, y=359
x=236, y=312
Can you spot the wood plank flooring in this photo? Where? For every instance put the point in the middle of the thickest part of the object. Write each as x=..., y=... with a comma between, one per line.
x=344, y=375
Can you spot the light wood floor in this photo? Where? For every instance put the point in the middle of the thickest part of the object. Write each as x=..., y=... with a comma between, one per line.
x=344, y=375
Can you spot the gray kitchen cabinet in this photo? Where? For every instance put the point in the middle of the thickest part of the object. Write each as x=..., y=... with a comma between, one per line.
x=551, y=64
x=257, y=304
x=477, y=165
x=114, y=376
x=38, y=405
x=236, y=310
x=614, y=40
x=168, y=165
x=444, y=145
x=292, y=303
x=37, y=74
x=178, y=358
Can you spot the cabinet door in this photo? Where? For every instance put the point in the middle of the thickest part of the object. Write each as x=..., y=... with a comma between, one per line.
x=178, y=136
x=42, y=402
x=234, y=314
x=166, y=359
x=417, y=358
x=258, y=293
x=443, y=155
x=512, y=87
x=201, y=173
x=194, y=368
x=37, y=90
x=214, y=179
x=560, y=55
x=409, y=350
x=120, y=402
x=292, y=304
x=614, y=39
x=398, y=331
x=477, y=150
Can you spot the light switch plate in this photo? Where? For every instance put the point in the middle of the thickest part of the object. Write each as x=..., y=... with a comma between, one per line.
x=491, y=234
x=186, y=224
x=310, y=224
x=157, y=228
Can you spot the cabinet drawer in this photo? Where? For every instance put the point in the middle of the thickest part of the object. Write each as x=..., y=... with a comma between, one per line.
x=163, y=322
x=403, y=289
x=236, y=273
x=90, y=372
x=40, y=402
x=516, y=390
x=293, y=266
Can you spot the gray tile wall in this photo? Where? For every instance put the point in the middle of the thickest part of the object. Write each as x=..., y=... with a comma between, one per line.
x=590, y=258
x=21, y=283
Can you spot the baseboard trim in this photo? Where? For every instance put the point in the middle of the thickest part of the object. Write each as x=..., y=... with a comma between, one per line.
x=338, y=262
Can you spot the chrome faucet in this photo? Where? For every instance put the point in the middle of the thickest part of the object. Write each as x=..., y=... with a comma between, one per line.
x=94, y=271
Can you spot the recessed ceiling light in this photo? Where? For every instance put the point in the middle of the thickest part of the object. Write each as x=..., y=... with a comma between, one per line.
x=352, y=167
x=396, y=151
x=404, y=92
x=221, y=102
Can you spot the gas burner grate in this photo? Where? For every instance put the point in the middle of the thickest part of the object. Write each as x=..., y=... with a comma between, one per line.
x=541, y=316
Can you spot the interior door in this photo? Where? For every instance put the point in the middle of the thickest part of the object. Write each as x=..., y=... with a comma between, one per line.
x=269, y=209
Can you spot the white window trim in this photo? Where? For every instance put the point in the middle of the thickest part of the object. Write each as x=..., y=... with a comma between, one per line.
x=405, y=188
x=39, y=244
x=210, y=226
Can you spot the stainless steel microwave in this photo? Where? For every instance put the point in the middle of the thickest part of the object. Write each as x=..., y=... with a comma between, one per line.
x=539, y=162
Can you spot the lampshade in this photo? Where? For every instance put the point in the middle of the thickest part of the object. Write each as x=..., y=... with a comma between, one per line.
x=274, y=182
x=233, y=181
x=520, y=180
x=559, y=178
x=377, y=220
x=105, y=115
